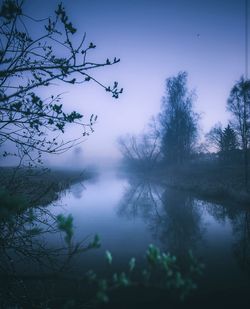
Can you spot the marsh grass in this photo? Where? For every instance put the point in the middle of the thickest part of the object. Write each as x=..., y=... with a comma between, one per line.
x=26, y=187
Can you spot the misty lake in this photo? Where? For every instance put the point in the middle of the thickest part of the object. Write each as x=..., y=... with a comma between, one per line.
x=130, y=212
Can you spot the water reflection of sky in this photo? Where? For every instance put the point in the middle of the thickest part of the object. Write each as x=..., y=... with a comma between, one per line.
x=95, y=213
x=128, y=214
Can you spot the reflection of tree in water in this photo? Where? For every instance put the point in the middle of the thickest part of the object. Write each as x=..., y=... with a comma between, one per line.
x=221, y=212
x=77, y=190
x=141, y=199
x=241, y=247
x=181, y=224
x=240, y=221
x=172, y=216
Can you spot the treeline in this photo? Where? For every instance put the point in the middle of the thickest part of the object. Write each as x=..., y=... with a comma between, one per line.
x=174, y=146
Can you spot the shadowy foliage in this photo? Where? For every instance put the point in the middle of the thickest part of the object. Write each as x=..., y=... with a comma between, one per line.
x=32, y=269
x=161, y=271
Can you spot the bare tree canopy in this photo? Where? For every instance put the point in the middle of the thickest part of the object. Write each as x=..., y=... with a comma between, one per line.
x=144, y=149
x=141, y=149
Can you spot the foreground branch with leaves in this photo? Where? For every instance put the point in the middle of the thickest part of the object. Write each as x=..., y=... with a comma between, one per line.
x=161, y=271
x=31, y=63
x=50, y=267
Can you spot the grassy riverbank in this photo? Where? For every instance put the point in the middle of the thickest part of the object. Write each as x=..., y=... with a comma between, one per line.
x=210, y=181
x=25, y=187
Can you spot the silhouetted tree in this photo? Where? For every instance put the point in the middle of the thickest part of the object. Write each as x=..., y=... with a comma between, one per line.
x=178, y=120
x=31, y=63
x=224, y=141
x=239, y=105
x=213, y=137
x=228, y=143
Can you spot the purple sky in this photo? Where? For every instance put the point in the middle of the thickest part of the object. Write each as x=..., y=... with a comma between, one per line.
x=155, y=40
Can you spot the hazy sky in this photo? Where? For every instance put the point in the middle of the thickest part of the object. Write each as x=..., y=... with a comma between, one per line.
x=155, y=40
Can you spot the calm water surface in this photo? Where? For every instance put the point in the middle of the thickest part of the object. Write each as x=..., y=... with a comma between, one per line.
x=128, y=213
x=131, y=212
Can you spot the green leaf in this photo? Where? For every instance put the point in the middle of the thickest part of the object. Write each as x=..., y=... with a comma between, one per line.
x=95, y=243
x=102, y=297
x=108, y=257
x=132, y=264
x=91, y=275
x=65, y=224
x=123, y=280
